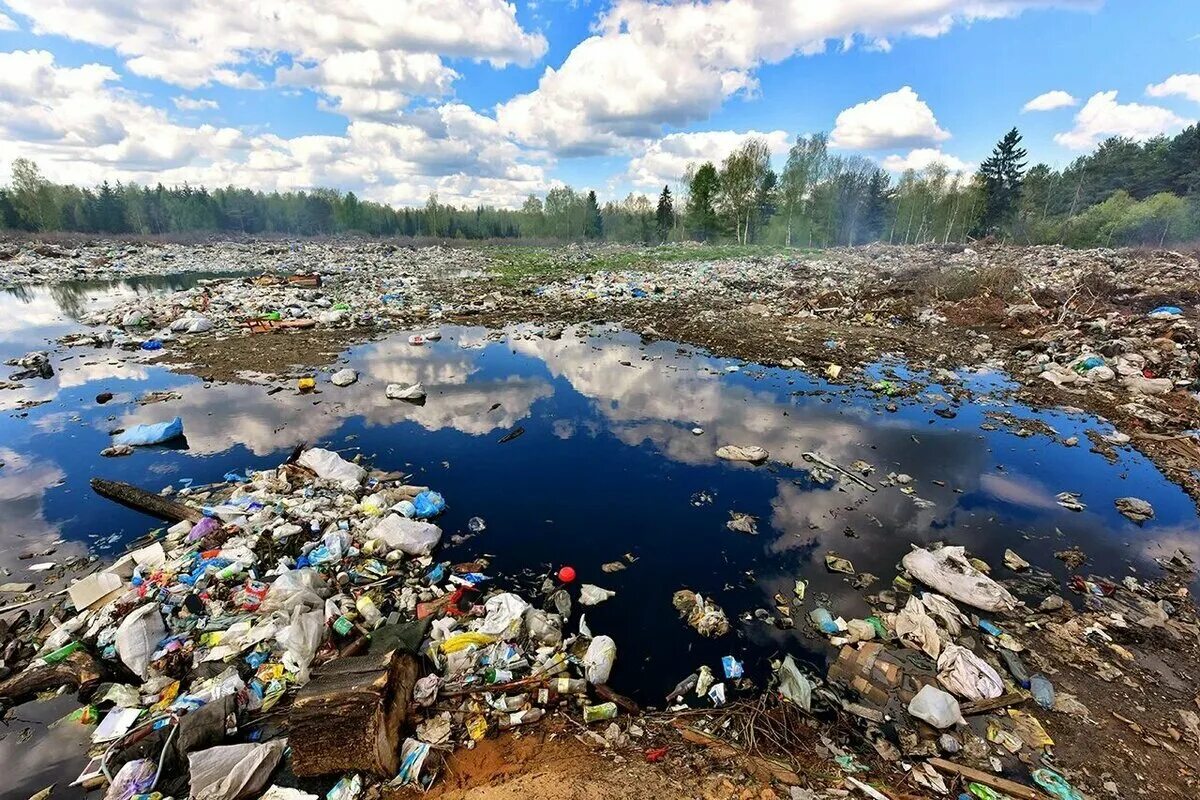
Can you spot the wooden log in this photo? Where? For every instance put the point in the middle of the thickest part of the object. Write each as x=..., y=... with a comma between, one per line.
x=146, y=502
x=80, y=670
x=626, y=704
x=1017, y=790
x=1003, y=701
x=352, y=716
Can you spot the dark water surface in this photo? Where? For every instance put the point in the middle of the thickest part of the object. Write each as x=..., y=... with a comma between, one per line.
x=607, y=465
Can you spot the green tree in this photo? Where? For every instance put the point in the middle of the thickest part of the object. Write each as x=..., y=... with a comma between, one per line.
x=593, y=221
x=702, y=196
x=32, y=197
x=664, y=215
x=1001, y=175
x=805, y=162
x=741, y=177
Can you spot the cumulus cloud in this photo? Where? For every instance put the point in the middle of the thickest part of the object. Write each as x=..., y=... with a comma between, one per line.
x=1102, y=116
x=896, y=119
x=193, y=43
x=666, y=159
x=6, y=23
x=184, y=103
x=650, y=64
x=81, y=127
x=1050, y=101
x=922, y=157
x=1183, y=85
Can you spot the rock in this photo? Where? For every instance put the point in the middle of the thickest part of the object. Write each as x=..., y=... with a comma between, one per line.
x=1052, y=603
x=413, y=394
x=343, y=377
x=1135, y=508
x=1014, y=561
x=752, y=453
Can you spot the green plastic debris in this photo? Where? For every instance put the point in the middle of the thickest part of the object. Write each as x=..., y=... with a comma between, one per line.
x=62, y=653
x=1055, y=785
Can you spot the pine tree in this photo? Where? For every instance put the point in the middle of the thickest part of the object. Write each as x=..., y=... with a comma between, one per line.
x=1001, y=177
x=592, y=221
x=664, y=216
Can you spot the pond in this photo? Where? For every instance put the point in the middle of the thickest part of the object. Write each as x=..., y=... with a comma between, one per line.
x=608, y=468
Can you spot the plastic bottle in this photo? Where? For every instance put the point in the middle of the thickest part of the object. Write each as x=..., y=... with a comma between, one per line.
x=1043, y=690
x=368, y=610
x=521, y=718
x=601, y=712
x=568, y=685
x=1016, y=667
x=493, y=675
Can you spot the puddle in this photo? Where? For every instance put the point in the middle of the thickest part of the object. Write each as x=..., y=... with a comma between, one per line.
x=607, y=465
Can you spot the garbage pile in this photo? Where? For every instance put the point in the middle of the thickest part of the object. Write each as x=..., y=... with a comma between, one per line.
x=949, y=677
x=295, y=625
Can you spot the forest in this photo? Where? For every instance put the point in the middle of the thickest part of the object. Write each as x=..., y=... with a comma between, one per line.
x=1125, y=193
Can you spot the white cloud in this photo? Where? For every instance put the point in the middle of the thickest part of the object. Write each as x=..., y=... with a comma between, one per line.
x=896, y=119
x=184, y=103
x=82, y=128
x=1185, y=85
x=1050, y=101
x=922, y=157
x=666, y=159
x=651, y=64
x=1102, y=116
x=193, y=43
x=7, y=24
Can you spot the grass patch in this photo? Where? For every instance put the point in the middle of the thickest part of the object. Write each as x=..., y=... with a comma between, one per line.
x=517, y=264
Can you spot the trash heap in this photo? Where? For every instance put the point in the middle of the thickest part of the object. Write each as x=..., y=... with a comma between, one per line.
x=949, y=675
x=294, y=629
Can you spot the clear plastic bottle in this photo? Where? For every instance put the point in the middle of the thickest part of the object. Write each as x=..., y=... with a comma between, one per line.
x=520, y=718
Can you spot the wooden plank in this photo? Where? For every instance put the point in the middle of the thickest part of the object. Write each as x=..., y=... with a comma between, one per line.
x=1003, y=701
x=147, y=502
x=1017, y=790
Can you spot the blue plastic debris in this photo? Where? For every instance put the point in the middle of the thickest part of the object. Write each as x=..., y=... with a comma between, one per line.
x=428, y=504
x=154, y=433
x=733, y=667
x=152, y=344
x=1165, y=311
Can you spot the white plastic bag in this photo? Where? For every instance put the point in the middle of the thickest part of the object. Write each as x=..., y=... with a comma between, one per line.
x=505, y=616
x=949, y=571
x=137, y=637
x=936, y=707
x=331, y=467
x=590, y=595
x=233, y=771
x=296, y=588
x=916, y=629
x=410, y=536
x=301, y=638
x=598, y=661
x=967, y=675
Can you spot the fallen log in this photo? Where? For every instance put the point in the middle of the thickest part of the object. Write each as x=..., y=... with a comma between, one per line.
x=1004, y=700
x=80, y=670
x=1018, y=790
x=145, y=502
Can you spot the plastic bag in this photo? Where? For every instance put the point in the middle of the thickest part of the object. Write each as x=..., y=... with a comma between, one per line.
x=428, y=504
x=545, y=629
x=505, y=616
x=135, y=777
x=590, y=595
x=936, y=707
x=296, y=588
x=301, y=638
x=598, y=661
x=234, y=771
x=398, y=391
x=967, y=675
x=412, y=757
x=331, y=467
x=916, y=629
x=793, y=685
x=138, y=636
x=155, y=433
x=409, y=536
x=949, y=571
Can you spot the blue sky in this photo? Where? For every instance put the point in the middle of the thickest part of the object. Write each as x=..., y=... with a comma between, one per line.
x=487, y=101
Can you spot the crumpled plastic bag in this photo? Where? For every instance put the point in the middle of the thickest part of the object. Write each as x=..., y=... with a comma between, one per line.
x=233, y=771
x=943, y=609
x=330, y=466
x=967, y=675
x=153, y=433
x=916, y=629
x=505, y=616
x=192, y=323
x=296, y=588
x=704, y=615
x=407, y=535
x=135, y=777
x=793, y=685
x=936, y=707
x=412, y=758
x=598, y=660
x=544, y=628
x=590, y=595
x=949, y=571
x=138, y=636
x=301, y=638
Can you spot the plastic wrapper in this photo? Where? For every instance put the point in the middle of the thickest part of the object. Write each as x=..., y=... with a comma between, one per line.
x=599, y=659
x=235, y=771
x=138, y=636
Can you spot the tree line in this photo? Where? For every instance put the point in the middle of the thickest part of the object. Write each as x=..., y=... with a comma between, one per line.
x=1123, y=193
